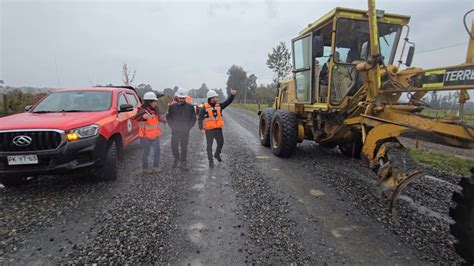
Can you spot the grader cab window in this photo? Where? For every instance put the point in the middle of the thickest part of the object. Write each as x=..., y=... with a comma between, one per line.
x=302, y=65
x=352, y=46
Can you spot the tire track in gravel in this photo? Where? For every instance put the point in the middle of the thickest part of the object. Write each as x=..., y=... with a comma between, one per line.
x=209, y=220
x=413, y=232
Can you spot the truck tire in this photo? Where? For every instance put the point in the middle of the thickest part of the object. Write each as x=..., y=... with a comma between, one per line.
x=12, y=181
x=283, y=133
x=463, y=216
x=108, y=170
x=265, y=125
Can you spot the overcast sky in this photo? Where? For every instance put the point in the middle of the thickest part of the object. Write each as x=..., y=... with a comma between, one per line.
x=186, y=43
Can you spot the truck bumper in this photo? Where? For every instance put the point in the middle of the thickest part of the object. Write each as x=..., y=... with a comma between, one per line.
x=70, y=157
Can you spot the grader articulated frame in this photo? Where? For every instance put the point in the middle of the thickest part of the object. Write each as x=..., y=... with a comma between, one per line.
x=360, y=101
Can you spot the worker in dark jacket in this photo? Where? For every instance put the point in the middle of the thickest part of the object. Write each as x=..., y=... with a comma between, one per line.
x=181, y=118
x=211, y=123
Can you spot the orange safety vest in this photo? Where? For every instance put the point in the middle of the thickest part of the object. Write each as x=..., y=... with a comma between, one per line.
x=150, y=129
x=212, y=122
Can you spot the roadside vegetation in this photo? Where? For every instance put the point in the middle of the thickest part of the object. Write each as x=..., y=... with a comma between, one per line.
x=442, y=161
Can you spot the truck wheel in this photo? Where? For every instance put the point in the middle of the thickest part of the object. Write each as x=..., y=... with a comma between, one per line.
x=108, y=171
x=463, y=216
x=283, y=137
x=264, y=126
x=12, y=181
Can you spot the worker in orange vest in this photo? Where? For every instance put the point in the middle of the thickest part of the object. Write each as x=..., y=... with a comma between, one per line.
x=149, y=131
x=211, y=123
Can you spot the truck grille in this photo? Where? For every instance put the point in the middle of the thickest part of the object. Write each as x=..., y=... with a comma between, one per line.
x=40, y=141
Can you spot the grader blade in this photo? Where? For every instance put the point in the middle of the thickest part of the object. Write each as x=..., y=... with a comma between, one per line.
x=403, y=183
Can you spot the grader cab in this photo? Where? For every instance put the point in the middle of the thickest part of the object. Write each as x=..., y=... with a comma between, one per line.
x=348, y=92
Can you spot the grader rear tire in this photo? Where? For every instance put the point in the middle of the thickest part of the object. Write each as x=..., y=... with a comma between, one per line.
x=463, y=216
x=265, y=125
x=283, y=133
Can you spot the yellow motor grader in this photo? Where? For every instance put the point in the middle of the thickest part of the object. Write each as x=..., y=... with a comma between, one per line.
x=346, y=91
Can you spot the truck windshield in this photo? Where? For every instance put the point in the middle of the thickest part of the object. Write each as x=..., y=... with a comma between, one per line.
x=75, y=101
x=352, y=40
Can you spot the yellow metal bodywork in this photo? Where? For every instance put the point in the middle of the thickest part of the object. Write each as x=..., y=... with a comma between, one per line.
x=375, y=114
x=343, y=12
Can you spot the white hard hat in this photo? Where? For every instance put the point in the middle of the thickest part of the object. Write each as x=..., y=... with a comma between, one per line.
x=181, y=93
x=212, y=93
x=150, y=96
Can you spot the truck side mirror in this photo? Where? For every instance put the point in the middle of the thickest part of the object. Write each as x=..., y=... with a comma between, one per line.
x=125, y=108
x=28, y=108
x=318, y=46
x=411, y=52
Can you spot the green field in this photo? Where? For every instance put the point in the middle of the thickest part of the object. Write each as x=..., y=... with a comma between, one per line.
x=252, y=107
x=442, y=161
x=468, y=115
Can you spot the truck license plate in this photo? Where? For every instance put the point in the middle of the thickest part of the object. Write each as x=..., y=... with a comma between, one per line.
x=22, y=159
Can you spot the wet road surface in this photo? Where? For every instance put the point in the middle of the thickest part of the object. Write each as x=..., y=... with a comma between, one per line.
x=315, y=207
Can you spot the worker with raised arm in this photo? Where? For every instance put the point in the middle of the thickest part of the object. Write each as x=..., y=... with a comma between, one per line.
x=211, y=123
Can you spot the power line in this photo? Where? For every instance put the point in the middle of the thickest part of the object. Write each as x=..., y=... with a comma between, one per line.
x=440, y=48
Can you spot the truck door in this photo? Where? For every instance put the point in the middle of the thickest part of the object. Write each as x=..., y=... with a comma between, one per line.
x=133, y=100
x=125, y=120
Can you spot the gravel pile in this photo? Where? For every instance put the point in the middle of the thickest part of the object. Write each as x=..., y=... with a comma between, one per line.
x=414, y=224
x=273, y=238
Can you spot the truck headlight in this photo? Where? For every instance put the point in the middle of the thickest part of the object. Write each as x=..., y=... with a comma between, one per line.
x=82, y=132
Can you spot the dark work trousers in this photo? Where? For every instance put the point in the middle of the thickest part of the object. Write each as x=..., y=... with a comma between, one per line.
x=210, y=136
x=147, y=144
x=180, y=138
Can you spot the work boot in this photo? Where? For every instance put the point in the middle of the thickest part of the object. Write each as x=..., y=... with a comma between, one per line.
x=218, y=157
x=211, y=163
x=148, y=171
x=184, y=166
x=175, y=163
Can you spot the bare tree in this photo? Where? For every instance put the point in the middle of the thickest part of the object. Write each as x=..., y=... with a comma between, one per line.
x=127, y=75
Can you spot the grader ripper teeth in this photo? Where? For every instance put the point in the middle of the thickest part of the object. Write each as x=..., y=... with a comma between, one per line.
x=347, y=92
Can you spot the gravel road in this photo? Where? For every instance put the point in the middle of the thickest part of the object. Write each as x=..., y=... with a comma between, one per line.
x=315, y=207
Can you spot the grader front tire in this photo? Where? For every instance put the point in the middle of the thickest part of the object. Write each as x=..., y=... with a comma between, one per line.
x=463, y=216
x=265, y=125
x=283, y=133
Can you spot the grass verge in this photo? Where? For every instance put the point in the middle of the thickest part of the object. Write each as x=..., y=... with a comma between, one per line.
x=446, y=162
x=252, y=107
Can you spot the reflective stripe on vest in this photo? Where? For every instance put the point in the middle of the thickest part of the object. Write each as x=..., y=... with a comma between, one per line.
x=212, y=121
x=149, y=129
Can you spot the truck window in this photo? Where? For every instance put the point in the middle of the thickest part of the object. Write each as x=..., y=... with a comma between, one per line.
x=122, y=99
x=133, y=99
x=78, y=101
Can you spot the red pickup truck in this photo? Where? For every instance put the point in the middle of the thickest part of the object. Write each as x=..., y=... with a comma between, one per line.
x=69, y=130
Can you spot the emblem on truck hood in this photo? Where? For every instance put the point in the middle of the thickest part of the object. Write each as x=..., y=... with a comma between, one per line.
x=22, y=141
